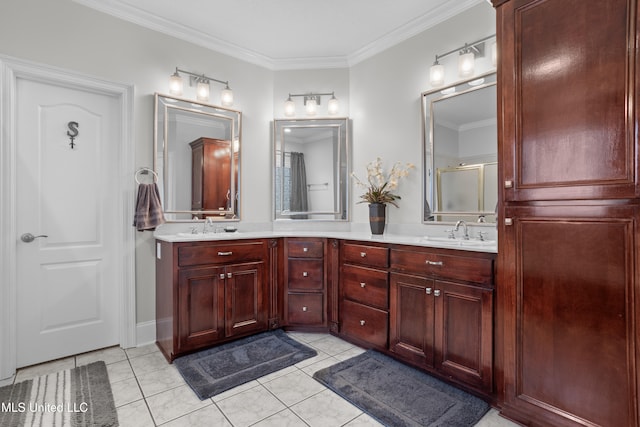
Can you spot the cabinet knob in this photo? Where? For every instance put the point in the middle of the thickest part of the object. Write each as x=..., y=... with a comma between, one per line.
x=225, y=253
x=362, y=284
x=305, y=274
x=428, y=291
x=362, y=322
x=222, y=276
x=304, y=308
x=305, y=249
x=508, y=184
x=363, y=254
x=436, y=292
x=508, y=221
x=229, y=275
x=434, y=262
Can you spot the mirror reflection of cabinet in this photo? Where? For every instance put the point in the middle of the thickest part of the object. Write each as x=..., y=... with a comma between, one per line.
x=211, y=164
x=178, y=123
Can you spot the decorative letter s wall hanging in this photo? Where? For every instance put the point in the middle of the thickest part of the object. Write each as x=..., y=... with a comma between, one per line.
x=72, y=132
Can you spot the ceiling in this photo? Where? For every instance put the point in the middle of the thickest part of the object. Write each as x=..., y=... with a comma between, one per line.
x=288, y=34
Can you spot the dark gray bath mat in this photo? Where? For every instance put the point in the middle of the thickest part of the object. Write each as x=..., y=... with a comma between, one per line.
x=398, y=395
x=212, y=371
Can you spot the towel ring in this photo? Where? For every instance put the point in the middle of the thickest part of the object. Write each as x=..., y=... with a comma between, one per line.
x=145, y=171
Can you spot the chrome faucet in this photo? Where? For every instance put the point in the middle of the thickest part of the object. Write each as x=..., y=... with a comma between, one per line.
x=207, y=222
x=465, y=236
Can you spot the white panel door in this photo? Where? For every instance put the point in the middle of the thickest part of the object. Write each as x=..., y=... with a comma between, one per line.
x=67, y=283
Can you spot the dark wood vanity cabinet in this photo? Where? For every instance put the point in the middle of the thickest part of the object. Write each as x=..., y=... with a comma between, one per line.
x=441, y=313
x=305, y=278
x=568, y=115
x=364, y=294
x=567, y=331
x=209, y=292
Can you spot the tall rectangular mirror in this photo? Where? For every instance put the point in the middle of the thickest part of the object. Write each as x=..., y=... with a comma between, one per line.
x=197, y=159
x=460, y=147
x=311, y=169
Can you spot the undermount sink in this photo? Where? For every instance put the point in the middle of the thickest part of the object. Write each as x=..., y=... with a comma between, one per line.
x=460, y=242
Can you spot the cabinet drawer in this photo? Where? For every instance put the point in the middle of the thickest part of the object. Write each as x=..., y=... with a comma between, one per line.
x=433, y=263
x=366, y=286
x=365, y=323
x=220, y=253
x=305, y=309
x=306, y=274
x=372, y=256
x=305, y=249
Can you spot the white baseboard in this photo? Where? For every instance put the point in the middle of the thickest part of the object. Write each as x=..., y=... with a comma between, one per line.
x=146, y=333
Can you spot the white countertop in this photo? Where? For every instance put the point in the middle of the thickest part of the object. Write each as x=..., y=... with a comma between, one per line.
x=436, y=242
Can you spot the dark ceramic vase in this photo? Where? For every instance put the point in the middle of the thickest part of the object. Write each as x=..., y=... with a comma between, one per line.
x=377, y=217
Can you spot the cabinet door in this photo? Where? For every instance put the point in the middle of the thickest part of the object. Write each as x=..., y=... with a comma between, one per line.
x=566, y=288
x=463, y=333
x=246, y=303
x=200, y=307
x=411, y=313
x=568, y=127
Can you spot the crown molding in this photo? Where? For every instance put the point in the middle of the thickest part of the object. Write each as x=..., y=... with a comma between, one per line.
x=412, y=28
x=137, y=16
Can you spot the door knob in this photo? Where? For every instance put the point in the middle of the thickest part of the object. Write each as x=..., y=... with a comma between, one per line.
x=28, y=237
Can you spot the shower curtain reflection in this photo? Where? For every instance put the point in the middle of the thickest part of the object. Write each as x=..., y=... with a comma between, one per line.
x=299, y=197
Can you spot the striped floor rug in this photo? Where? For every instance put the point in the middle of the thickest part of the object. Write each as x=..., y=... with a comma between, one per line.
x=74, y=397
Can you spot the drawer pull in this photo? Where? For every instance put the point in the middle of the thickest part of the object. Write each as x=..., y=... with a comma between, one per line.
x=428, y=291
x=363, y=254
x=229, y=275
x=305, y=274
x=362, y=322
x=304, y=308
x=436, y=292
x=222, y=276
x=305, y=249
x=434, y=262
x=225, y=253
x=362, y=284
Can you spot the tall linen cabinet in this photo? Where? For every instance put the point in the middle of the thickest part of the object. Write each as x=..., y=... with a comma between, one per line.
x=569, y=211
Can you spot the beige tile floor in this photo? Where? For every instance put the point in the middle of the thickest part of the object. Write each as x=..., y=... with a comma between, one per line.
x=150, y=392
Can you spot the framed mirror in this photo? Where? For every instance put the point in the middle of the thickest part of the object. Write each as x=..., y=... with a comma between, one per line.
x=197, y=159
x=460, y=147
x=311, y=169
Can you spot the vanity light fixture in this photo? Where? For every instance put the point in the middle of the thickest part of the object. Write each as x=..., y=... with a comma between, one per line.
x=466, y=61
x=311, y=102
x=289, y=107
x=203, y=86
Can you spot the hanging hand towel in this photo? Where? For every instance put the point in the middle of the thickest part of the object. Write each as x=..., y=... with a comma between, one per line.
x=148, y=213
